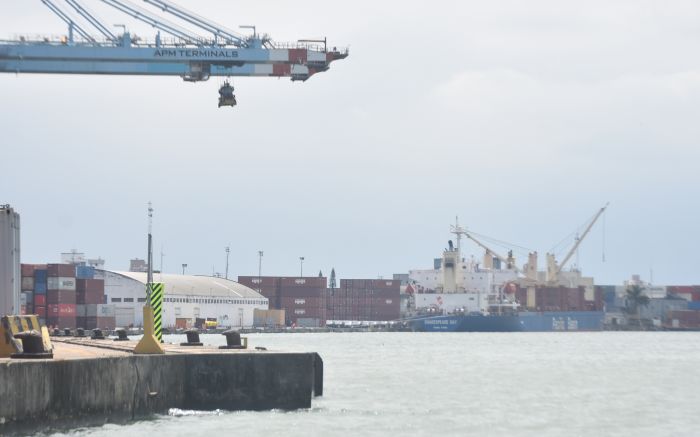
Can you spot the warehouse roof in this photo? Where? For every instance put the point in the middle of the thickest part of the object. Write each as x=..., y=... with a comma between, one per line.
x=195, y=285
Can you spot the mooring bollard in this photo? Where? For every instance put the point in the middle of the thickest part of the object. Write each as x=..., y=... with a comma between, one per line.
x=66, y=332
x=121, y=335
x=80, y=332
x=233, y=340
x=97, y=334
x=192, y=338
x=32, y=345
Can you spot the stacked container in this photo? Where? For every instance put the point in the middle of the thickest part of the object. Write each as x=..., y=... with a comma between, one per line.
x=40, y=288
x=304, y=300
x=92, y=312
x=27, y=289
x=365, y=299
x=61, y=296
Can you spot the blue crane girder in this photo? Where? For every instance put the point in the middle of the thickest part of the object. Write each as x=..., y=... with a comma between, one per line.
x=192, y=63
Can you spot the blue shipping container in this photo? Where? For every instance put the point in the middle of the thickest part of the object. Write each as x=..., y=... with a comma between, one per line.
x=85, y=272
x=695, y=305
x=40, y=276
x=40, y=288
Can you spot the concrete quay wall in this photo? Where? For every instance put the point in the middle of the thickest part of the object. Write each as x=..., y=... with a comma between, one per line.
x=43, y=392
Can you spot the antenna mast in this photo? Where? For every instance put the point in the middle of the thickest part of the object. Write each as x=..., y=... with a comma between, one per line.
x=150, y=245
x=458, y=231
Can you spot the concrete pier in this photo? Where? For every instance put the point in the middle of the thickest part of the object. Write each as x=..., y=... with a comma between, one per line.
x=102, y=380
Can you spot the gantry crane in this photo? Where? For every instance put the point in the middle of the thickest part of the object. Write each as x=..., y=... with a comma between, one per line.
x=182, y=52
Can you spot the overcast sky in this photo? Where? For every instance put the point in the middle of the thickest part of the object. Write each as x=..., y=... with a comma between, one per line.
x=523, y=118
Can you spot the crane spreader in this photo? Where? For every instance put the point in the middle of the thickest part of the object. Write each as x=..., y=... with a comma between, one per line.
x=182, y=52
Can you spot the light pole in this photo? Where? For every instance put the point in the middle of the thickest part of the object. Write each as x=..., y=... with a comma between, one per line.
x=301, y=266
x=260, y=255
x=184, y=266
x=228, y=249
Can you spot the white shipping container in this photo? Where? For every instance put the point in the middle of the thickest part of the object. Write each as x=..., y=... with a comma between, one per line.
x=67, y=284
x=100, y=310
x=27, y=283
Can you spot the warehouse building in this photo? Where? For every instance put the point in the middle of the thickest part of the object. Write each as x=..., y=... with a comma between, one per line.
x=186, y=299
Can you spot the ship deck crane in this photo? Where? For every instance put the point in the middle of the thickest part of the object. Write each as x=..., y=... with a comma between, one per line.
x=553, y=269
x=185, y=53
x=460, y=231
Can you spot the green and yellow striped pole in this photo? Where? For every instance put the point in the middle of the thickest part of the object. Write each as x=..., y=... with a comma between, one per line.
x=156, y=295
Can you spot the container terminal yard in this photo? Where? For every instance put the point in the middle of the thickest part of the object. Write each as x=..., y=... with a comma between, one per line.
x=81, y=293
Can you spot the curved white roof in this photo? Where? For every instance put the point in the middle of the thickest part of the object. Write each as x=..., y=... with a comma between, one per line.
x=195, y=285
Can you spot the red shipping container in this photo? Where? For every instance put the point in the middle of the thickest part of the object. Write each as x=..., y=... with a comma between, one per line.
x=27, y=269
x=61, y=310
x=61, y=270
x=40, y=310
x=90, y=297
x=40, y=300
x=254, y=281
x=61, y=297
x=94, y=285
x=311, y=282
x=61, y=322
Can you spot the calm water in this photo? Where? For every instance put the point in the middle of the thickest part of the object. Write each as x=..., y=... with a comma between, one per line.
x=439, y=384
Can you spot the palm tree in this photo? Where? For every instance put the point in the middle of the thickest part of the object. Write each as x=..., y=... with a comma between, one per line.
x=635, y=300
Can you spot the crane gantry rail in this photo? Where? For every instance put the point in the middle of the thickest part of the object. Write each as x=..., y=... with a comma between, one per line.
x=182, y=53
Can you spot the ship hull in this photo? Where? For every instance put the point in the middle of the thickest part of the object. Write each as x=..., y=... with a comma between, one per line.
x=520, y=322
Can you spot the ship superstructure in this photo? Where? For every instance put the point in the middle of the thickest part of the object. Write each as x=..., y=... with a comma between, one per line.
x=493, y=294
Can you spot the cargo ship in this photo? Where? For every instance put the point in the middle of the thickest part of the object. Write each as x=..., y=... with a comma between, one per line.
x=494, y=295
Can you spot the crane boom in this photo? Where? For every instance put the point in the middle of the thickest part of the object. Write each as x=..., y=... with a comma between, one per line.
x=68, y=20
x=580, y=239
x=92, y=20
x=217, y=30
x=190, y=56
x=145, y=16
x=489, y=250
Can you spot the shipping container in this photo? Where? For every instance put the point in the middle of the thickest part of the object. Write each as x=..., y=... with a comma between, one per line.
x=84, y=272
x=61, y=270
x=102, y=310
x=308, y=322
x=61, y=310
x=268, y=318
x=694, y=306
x=90, y=285
x=311, y=282
x=27, y=269
x=40, y=300
x=90, y=297
x=60, y=283
x=40, y=287
x=40, y=276
x=61, y=297
x=254, y=281
x=61, y=322
x=40, y=310
x=27, y=283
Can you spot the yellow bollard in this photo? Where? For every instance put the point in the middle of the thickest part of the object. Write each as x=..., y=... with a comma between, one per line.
x=148, y=344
